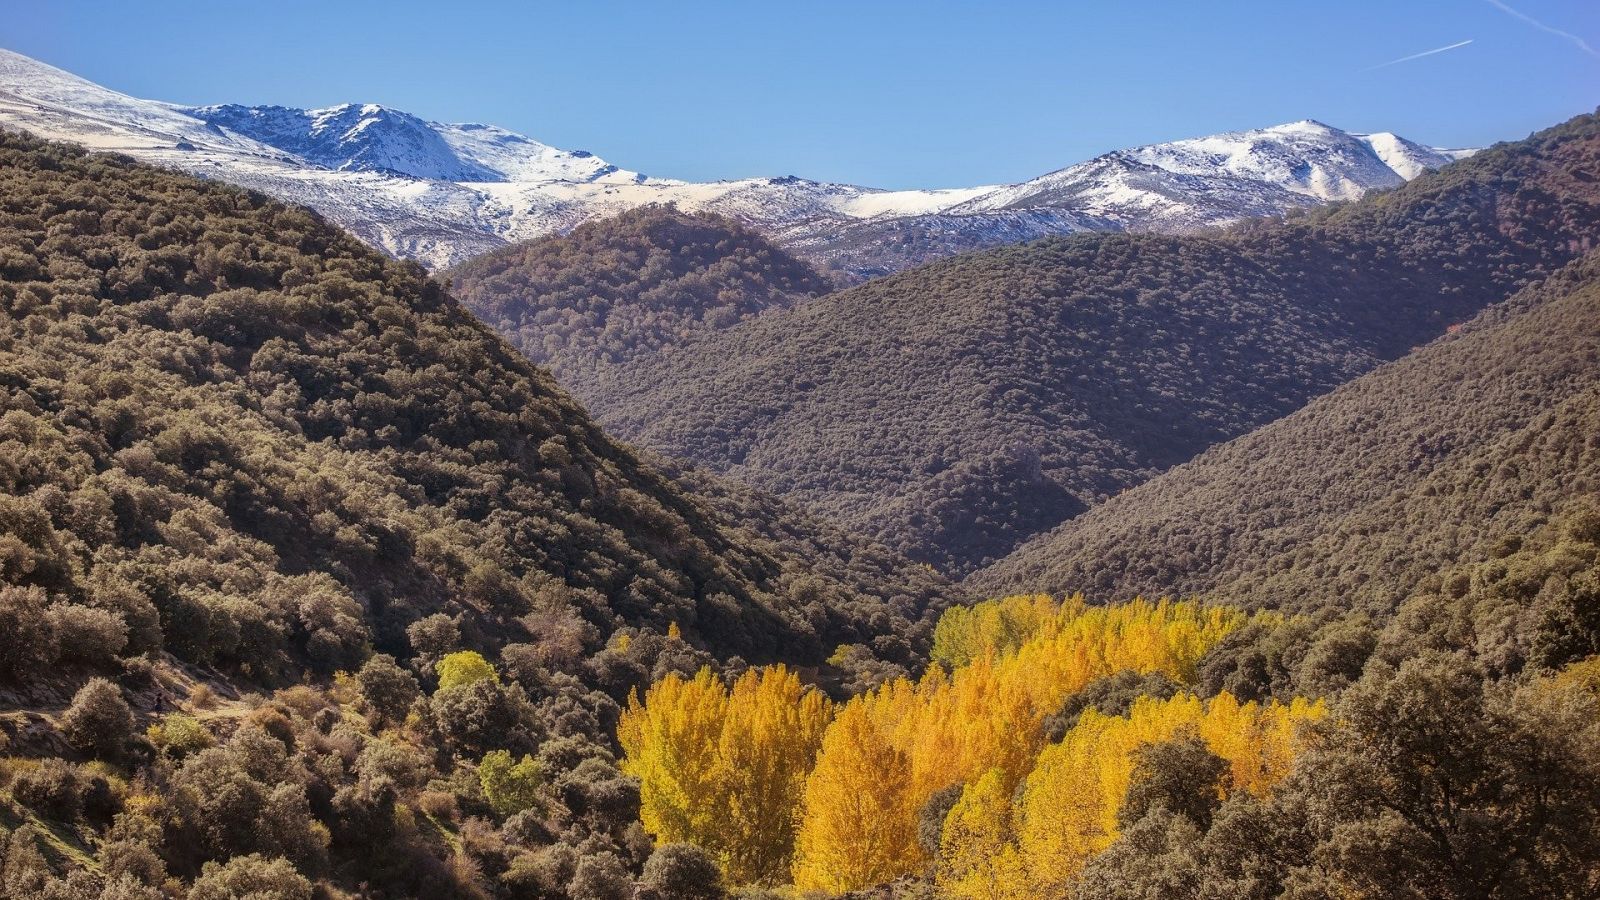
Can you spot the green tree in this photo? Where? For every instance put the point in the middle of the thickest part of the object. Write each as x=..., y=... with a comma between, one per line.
x=388, y=689
x=510, y=786
x=1181, y=775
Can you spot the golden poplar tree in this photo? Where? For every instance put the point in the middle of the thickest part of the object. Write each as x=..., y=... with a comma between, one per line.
x=977, y=859
x=726, y=769
x=669, y=742
x=769, y=740
x=966, y=633
x=858, y=818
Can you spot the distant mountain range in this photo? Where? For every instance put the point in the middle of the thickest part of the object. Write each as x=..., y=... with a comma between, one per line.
x=443, y=193
x=955, y=410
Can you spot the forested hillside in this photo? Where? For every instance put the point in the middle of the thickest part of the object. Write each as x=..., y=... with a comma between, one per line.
x=957, y=409
x=1164, y=750
x=1403, y=704
x=621, y=289
x=339, y=584
x=1449, y=455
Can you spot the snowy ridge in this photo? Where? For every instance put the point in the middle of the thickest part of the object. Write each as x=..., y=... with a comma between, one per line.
x=441, y=193
x=372, y=138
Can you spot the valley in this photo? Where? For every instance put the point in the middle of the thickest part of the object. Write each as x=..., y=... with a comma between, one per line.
x=400, y=509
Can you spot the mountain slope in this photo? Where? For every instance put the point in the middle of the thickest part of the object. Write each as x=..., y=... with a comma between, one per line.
x=618, y=289
x=956, y=409
x=258, y=443
x=1428, y=463
x=442, y=193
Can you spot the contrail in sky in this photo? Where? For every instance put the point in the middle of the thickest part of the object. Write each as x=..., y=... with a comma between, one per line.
x=1582, y=44
x=1394, y=62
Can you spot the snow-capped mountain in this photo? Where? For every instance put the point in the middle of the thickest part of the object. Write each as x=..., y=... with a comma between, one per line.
x=1221, y=178
x=441, y=193
x=372, y=138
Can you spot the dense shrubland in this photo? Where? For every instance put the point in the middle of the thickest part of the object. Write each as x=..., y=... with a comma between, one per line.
x=1450, y=455
x=311, y=585
x=627, y=287
x=956, y=409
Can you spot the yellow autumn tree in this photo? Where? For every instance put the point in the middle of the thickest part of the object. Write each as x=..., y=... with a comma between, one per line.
x=464, y=668
x=858, y=818
x=977, y=858
x=966, y=633
x=769, y=740
x=726, y=769
x=1068, y=810
x=669, y=742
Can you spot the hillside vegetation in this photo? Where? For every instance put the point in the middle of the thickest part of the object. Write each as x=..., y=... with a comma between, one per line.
x=337, y=582
x=1446, y=456
x=1409, y=710
x=624, y=288
x=1155, y=750
x=957, y=409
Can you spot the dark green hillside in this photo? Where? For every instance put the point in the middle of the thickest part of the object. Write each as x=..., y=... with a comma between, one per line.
x=956, y=409
x=240, y=454
x=624, y=288
x=217, y=407
x=1444, y=458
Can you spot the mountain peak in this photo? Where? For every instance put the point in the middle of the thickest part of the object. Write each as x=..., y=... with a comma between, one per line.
x=1308, y=125
x=351, y=137
x=441, y=193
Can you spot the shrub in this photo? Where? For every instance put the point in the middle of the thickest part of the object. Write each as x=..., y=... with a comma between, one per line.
x=393, y=761
x=180, y=735
x=27, y=633
x=252, y=877
x=930, y=821
x=546, y=872
x=98, y=721
x=52, y=789
x=88, y=635
x=682, y=872
x=388, y=689
x=440, y=805
x=432, y=637
x=483, y=716
x=601, y=877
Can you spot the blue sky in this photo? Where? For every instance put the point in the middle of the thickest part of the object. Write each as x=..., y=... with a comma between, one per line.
x=891, y=94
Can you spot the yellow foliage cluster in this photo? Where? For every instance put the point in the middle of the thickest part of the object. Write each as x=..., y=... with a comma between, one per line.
x=464, y=668
x=1581, y=676
x=988, y=715
x=725, y=768
x=860, y=816
x=767, y=770
x=996, y=849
